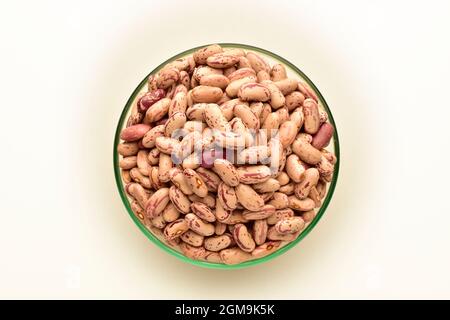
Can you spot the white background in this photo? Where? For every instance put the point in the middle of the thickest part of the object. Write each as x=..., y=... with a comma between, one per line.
x=67, y=69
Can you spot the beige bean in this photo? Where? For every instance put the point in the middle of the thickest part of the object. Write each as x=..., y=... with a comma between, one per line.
x=248, y=197
x=236, y=216
x=297, y=117
x=165, y=165
x=257, y=62
x=192, y=238
x=192, y=161
x=233, y=88
x=158, y=222
x=226, y=171
x=234, y=256
x=270, y=185
x=201, y=55
x=309, y=180
x=142, y=162
x=138, y=177
x=315, y=196
x=271, y=124
x=220, y=228
x=277, y=99
x=266, y=248
x=227, y=196
x=273, y=234
x=179, y=199
x=196, y=112
x=312, y=118
x=134, y=132
x=155, y=183
x=301, y=204
x=247, y=116
x=209, y=200
x=243, y=238
x=260, y=229
x=266, y=110
x=287, y=189
x=227, y=108
x=158, y=110
x=306, y=152
x=203, y=211
x=199, y=226
x=138, y=193
x=244, y=63
x=283, y=178
x=176, y=121
x=170, y=213
x=283, y=114
x=222, y=60
x=202, y=71
x=191, y=126
x=295, y=168
x=178, y=103
x=215, y=118
x=170, y=92
x=287, y=85
x=288, y=132
x=279, y=200
x=242, y=73
x=323, y=116
x=195, y=253
x=217, y=243
x=307, y=91
x=195, y=182
x=157, y=202
x=257, y=108
x=235, y=51
x=267, y=196
x=229, y=140
x=254, y=91
x=139, y=212
x=128, y=163
x=280, y=215
x=211, y=179
x=308, y=216
x=321, y=188
x=125, y=174
x=263, y=76
x=278, y=72
x=253, y=155
x=167, y=145
x=206, y=94
x=149, y=139
x=213, y=257
x=215, y=80
x=294, y=100
x=253, y=174
x=175, y=229
x=185, y=81
x=228, y=71
x=127, y=149
x=263, y=213
x=177, y=177
x=182, y=64
x=290, y=225
x=221, y=213
x=325, y=167
x=167, y=77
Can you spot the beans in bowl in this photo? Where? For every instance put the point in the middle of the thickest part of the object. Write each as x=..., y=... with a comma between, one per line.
x=224, y=156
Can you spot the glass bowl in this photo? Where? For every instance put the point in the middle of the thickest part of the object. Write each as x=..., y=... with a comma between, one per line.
x=292, y=71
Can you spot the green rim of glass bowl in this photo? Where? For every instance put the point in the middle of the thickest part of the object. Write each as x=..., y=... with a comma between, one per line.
x=177, y=254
